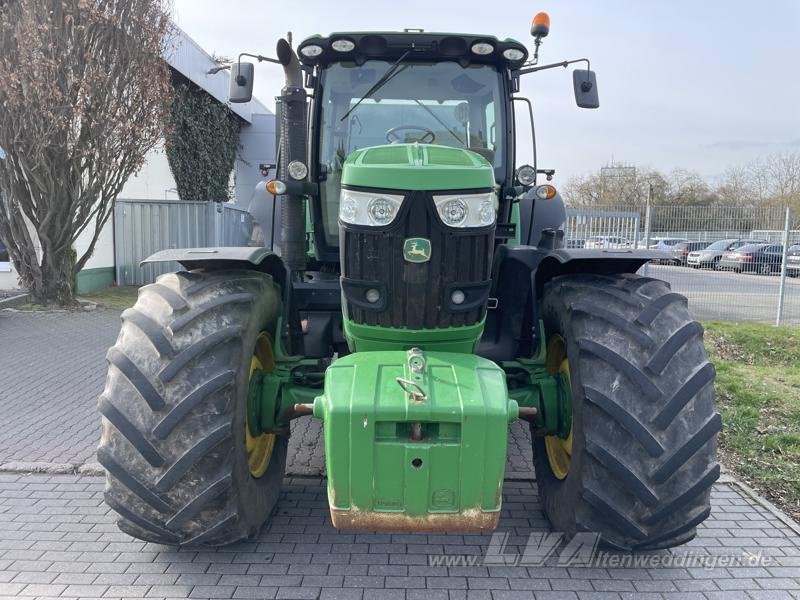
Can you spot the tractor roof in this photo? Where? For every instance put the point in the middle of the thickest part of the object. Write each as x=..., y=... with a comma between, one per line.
x=426, y=46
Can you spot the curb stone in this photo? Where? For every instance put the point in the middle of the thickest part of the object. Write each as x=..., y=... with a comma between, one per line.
x=39, y=467
x=13, y=301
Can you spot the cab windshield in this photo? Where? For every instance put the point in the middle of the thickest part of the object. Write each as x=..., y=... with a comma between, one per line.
x=441, y=103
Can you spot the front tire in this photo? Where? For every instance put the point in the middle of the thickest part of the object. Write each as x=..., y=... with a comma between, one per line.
x=174, y=410
x=643, y=439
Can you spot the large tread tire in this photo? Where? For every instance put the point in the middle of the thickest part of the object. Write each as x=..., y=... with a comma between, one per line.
x=174, y=410
x=644, y=421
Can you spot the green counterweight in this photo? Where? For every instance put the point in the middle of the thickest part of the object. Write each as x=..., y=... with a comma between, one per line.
x=415, y=440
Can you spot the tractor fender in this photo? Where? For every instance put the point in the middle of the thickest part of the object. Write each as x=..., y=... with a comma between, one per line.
x=226, y=257
x=569, y=261
x=519, y=275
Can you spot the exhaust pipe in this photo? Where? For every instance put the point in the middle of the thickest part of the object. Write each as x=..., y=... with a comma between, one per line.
x=293, y=128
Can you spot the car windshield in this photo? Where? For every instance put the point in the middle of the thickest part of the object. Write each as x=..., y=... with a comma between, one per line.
x=750, y=247
x=442, y=103
x=741, y=243
x=720, y=245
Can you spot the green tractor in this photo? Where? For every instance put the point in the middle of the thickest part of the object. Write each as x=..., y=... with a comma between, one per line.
x=416, y=295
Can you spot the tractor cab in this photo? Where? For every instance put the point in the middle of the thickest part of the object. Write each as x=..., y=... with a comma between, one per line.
x=421, y=88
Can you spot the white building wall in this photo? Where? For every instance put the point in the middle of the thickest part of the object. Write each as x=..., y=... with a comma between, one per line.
x=258, y=147
x=154, y=181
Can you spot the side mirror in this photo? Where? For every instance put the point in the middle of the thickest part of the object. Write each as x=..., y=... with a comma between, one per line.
x=241, y=84
x=585, y=84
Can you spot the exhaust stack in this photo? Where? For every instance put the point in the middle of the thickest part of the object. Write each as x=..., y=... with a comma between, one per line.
x=293, y=129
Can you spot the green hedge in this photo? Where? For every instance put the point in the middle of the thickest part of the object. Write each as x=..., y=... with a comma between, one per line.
x=202, y=143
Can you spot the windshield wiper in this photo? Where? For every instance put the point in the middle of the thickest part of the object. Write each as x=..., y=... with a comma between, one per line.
x=378, y=84
x=442, y=123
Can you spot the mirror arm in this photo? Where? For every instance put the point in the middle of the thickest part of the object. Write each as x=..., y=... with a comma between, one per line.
x=562, y=64
x=259, y=58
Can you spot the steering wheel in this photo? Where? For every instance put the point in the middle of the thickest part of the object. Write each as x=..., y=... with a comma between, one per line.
x=393, y=138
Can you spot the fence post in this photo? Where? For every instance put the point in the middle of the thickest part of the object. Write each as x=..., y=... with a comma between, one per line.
x=782, y=287
x=647, y=225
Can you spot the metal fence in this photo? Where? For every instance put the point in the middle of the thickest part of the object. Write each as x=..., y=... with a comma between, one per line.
x=143, y=227
x=763, y=288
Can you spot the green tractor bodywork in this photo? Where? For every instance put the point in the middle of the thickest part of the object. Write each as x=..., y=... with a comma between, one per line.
x=415, y=424
x=415, y=295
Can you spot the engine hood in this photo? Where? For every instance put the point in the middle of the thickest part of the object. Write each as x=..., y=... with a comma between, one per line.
x=417, y=167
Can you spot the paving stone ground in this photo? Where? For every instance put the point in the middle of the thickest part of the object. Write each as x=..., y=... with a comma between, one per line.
x=53, y=368
x=58, y=540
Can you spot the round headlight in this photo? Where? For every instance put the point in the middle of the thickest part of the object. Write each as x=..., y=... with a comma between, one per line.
x=454, y=212
x=513, y=54
x=482, y=48
x=372, y=295
x=311, y=50
x=526, y=175
x=297, y=170
x=457, y=297
x=486, y=213
x=381, y=211
x=343, y=45
x=348, y=210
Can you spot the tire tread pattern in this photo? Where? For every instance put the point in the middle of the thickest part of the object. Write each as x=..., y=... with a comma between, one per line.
x=174, y=376
x=648, y=451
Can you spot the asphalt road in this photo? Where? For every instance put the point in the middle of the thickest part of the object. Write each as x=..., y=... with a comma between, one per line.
x=728, y=296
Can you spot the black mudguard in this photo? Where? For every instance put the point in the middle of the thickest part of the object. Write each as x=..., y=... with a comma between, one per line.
x=518, y=279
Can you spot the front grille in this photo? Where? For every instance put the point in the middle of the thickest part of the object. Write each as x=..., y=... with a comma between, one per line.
x=416, y=294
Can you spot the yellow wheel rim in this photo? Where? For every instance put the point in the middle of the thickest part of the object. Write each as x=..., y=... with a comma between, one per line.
x=259, y=448
x=559, y=450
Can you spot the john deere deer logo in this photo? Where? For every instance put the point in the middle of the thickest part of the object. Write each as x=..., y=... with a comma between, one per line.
x=417, y=250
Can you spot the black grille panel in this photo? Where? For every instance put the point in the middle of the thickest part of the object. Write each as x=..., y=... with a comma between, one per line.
x=416, y=291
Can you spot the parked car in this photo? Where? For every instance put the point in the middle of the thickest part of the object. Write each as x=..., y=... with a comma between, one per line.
x=607, y=241
x=760, y=258
x=576, y=243
x=662, y=243
x=711, y=255
x=680, y=251
x=793, y=261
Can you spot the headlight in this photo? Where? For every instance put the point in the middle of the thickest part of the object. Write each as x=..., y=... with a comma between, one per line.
x=343, y=45
x=297, y=170
x=467, y=210
x=526, y=175
x=366, y=208
x=311, y=51
x=482, y=48
x=513, y=54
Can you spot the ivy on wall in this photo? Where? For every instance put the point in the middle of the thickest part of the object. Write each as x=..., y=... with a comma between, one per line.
x=202, y=142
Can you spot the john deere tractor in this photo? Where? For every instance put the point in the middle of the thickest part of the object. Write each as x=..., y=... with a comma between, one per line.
x=416, y=295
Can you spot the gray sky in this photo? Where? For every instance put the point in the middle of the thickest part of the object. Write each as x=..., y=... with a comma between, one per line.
x=702, y=84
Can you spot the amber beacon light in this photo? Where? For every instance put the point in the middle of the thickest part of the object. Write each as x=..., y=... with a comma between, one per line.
x=541, y=25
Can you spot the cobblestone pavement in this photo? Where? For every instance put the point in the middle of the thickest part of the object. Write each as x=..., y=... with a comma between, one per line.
x=53, y=368
x=58, y=539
